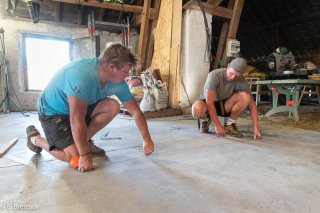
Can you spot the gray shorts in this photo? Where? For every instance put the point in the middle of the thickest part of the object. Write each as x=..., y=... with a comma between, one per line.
x=57, y=129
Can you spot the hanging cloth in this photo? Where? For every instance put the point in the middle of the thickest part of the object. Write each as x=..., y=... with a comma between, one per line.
x=11, y=6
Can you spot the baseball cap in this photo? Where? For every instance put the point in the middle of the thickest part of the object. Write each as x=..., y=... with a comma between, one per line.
x=239, y=64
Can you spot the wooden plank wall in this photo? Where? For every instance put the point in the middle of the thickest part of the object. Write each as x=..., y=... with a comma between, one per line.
x=175, y=66
x=166, y=55
x=152, y=32
x=162, y=34
x=143, y=34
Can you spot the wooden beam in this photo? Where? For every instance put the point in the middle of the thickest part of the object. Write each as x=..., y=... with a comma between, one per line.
x=234, y=23
x=175, y=55
x=162, y=44
x=222, y=39
x=137, y=18
x=151, y=42
x=215, y=11
x=113, y=6
x=188, y=4
x=221, y=44
x=219, y=12
x=214, y=2
x=143, y=34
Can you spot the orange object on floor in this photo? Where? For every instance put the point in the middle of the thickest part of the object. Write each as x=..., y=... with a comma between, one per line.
x=74, y=161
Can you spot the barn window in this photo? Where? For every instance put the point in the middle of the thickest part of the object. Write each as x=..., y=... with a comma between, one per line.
x=43, y=55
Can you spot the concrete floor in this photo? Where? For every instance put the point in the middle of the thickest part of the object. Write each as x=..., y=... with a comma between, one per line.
x=189, y=171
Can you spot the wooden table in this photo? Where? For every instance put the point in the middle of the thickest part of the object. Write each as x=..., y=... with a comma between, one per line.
x=289, y=87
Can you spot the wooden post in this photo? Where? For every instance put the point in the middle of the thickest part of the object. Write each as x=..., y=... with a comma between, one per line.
x=143, y=34
x=175, y=68
x=222, y=39
x=151, y=42
x=234, y=23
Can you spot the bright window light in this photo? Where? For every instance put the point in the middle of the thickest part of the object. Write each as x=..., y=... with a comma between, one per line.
x=44, y=57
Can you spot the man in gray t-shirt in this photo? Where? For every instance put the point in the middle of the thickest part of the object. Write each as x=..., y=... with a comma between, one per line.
x=226, y=93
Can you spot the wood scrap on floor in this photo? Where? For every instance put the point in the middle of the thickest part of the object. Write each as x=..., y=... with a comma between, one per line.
x=110, y=138
x=157, y=114
x=8, y=147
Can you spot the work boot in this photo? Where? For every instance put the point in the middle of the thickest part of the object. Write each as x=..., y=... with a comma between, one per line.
x=94, y=150
x=204, y=128
x=32, y=132
x=233, y=130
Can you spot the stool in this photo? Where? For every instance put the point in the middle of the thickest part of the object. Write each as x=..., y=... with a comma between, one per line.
x=256, y=89
x=309, y=92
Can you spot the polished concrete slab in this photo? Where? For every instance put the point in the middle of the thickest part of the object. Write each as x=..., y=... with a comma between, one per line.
x=189, y=171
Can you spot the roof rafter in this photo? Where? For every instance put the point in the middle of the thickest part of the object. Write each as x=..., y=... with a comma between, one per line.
x=113, y=6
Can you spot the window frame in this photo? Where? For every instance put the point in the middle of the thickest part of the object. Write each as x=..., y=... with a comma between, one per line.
x=25, y=62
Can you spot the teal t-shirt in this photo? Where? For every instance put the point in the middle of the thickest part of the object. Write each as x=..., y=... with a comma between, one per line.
x=80, y=79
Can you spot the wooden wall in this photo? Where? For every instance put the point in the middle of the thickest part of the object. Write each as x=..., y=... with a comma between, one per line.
x=166, y=55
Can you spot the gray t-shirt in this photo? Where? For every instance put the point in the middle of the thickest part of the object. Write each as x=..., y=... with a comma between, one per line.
x=217, y=81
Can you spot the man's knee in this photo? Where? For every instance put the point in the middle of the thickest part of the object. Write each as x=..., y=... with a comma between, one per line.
x=199, y=110
x=70, y=151
x=245, y=97
x=241, y=99
x=111, y=105
x=114, y=105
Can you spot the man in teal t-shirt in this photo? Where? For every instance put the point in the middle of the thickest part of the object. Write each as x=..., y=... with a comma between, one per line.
x=75, y=105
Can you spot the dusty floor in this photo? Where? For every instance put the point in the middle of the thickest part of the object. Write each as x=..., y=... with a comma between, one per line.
x=189, y=171
x=309, y=117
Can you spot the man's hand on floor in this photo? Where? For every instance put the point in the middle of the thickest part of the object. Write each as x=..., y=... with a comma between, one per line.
x=85, y=163
x=257, y=134
x=148, y=147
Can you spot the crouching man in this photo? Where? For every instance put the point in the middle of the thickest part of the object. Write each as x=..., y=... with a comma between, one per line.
x=226, y=93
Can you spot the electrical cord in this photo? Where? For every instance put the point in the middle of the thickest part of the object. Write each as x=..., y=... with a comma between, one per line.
x=4, y=64
x=185, y=90
x=208, y=54
x=15, y=94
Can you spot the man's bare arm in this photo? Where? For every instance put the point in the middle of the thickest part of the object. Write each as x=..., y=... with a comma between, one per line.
x=254, y=116
x=78, y=110
x=134, y=110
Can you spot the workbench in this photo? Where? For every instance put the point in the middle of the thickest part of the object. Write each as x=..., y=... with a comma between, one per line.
x=289, y=87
